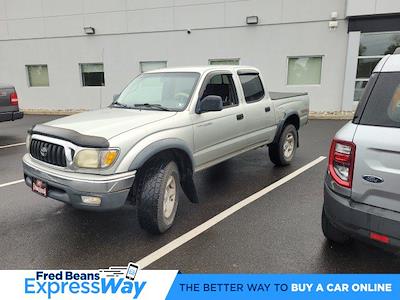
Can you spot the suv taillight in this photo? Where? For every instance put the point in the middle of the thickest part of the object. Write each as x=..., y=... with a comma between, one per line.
x=14, y=99
x=341, y=162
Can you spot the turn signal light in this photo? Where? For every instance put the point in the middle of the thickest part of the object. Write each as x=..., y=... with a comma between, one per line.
x=341, y=162
x=109, y=157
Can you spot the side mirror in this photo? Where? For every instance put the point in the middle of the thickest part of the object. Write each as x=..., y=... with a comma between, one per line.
x=210, y=103
x=115, y=97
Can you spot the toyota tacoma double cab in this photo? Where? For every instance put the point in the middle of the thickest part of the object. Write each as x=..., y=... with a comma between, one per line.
x=164, y=126
x=9, y=110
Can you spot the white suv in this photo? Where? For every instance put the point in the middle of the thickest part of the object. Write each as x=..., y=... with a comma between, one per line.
x=362, y=186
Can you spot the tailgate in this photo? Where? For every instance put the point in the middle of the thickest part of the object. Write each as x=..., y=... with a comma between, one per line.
x=376, y=178
x=377, y=162
x=5, y=99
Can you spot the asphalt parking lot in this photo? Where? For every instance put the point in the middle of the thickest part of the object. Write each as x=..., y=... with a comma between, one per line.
x=277, y=233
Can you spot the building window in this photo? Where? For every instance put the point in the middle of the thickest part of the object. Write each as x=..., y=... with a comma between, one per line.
x=373, y=46
x=146, y=66
x=92, y=74
x=224, y=61
x=252, y=87
x=38, y=75
x=304, y=70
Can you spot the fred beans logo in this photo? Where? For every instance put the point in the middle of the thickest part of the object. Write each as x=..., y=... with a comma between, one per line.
x=111, y=281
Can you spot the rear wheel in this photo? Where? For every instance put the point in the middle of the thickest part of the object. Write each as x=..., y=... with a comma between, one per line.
x=331, y=232
x=158, y=196
x=282, y=152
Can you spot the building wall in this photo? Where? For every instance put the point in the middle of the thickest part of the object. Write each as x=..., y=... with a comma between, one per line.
x=371, y=7
x=129, y=31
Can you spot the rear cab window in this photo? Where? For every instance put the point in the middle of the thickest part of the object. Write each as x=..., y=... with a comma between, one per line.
x=380, y=104
x=252, y=87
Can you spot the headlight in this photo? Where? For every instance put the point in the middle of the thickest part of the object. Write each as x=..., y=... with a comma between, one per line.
x=95, y=159
x=28, y=141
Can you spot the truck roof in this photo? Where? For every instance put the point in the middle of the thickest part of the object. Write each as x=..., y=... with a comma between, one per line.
x=204, y=69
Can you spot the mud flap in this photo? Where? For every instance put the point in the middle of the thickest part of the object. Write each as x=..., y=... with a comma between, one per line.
x=189, y=188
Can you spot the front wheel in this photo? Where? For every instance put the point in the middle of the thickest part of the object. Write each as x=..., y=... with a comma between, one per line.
x=282, y=152
x=158, y=196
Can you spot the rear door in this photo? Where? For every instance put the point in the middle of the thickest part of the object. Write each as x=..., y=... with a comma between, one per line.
x=259, y=112
x=376, y=179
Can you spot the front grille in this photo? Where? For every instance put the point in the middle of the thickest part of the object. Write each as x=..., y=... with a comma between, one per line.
x=48, y=152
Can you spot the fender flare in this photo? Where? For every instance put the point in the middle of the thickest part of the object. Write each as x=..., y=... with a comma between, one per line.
x=159, y=146
x=281, y=126
x=187, y=181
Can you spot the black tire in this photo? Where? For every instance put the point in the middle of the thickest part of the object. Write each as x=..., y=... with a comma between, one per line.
x=150, y=196
x=332, y=233
x=276, y=150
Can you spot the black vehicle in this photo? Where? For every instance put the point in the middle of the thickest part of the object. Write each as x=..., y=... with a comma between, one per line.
x=9, y=110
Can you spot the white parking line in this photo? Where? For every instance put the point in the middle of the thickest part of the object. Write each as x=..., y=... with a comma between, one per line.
x=11, y=183
x=12, y=145
x=156, y=255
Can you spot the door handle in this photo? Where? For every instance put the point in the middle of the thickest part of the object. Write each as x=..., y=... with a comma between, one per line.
x=267, y=109
x=205, y=124
x=240, y=117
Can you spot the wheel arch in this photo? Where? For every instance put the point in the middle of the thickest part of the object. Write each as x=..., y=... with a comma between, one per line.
x=290, y=118
x=178, y=151
x=174, y=146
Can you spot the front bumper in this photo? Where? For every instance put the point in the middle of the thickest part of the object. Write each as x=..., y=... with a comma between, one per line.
x=11, y=116
x=68, y=187
x=358, y=219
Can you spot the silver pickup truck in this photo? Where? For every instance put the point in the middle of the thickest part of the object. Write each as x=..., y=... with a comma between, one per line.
x=165, y=126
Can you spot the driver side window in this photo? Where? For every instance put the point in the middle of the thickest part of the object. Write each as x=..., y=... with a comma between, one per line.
x=222, y=85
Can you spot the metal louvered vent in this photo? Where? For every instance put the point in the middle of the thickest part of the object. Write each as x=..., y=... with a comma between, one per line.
x=50, y=153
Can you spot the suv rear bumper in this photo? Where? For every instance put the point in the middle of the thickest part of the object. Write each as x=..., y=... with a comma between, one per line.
x=11, y=116
x=69, y=187
x=358, y=219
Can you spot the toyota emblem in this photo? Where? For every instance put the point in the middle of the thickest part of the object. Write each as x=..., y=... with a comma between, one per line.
x=43, y=151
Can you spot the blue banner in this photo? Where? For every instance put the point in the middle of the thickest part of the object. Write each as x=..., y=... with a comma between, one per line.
x=130, y=282
x=285, y=287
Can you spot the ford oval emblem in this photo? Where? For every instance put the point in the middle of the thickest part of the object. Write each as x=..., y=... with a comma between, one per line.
x=43, y=151
x=373, y=179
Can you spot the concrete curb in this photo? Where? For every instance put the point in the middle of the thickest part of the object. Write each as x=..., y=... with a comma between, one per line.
x=313, y=115
x=331, y=115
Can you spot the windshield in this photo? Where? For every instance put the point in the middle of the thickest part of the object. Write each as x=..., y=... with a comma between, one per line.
x=159, y=91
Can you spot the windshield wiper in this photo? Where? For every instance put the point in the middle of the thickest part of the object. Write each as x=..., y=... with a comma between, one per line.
x=117, y=104
x=157, y=106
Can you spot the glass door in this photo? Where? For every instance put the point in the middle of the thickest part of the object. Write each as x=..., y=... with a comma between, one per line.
x=373, y=46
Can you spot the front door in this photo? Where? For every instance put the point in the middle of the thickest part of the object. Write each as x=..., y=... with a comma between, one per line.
x=218, y=134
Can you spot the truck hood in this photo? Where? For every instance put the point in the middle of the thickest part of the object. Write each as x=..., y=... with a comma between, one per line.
x=110, y=122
